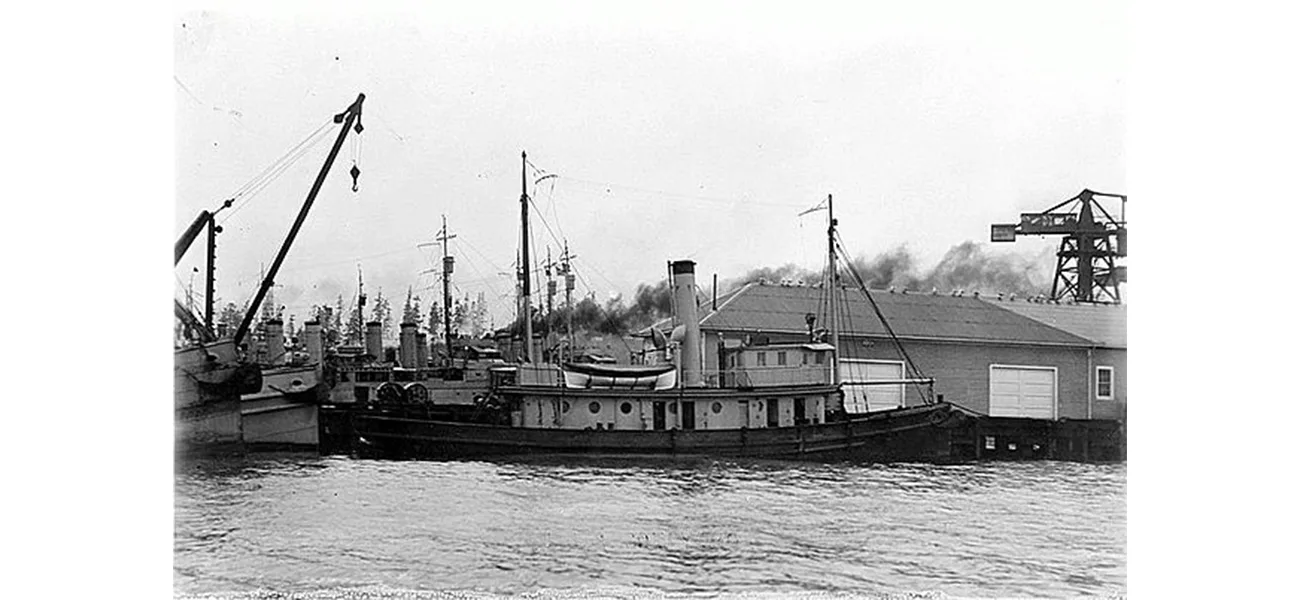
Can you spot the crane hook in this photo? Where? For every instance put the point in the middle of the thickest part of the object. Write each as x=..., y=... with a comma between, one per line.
x=355, y=172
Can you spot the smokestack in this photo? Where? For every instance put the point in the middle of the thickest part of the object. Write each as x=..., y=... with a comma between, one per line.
x=421, y=350
x=375, y=340
x=315, y=345
x=406, y=351
x=275, y=342
x=684, y=293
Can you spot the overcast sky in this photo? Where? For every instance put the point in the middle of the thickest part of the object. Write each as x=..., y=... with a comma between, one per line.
x=686, y=133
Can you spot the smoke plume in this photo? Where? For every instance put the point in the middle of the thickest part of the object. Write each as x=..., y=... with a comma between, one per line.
x=966, y=266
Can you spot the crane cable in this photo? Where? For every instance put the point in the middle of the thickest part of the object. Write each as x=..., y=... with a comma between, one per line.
x=250, y=190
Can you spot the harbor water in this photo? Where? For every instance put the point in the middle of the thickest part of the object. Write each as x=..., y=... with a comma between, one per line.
x=288, y=526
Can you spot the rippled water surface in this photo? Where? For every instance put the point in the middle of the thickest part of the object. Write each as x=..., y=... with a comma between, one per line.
x=336, y=527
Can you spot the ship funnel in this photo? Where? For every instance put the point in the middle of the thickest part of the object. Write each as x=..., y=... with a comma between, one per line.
x=421, y=350
x=275, y=342
x=406, y=351
x=315, y=345
x=375, y=340
x=687, y=314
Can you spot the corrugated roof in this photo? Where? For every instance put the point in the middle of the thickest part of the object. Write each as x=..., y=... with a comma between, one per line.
x=775, y=308
x=705, y=309
x=1104, y=324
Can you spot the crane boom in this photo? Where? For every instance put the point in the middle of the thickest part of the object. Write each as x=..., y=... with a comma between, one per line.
x=347, y=117
x=1085, y=267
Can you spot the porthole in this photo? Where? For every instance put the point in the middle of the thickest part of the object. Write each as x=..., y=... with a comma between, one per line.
x=564, y=406
x=594, y=407
x=625, y=407
x=672, y=408
x=717, y=407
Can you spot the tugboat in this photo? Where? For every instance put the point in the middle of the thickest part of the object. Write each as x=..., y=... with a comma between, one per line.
x=788, y=412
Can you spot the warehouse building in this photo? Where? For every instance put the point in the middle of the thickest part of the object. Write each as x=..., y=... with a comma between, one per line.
x=1003, y=358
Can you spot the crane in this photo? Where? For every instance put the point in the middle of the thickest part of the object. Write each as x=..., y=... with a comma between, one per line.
x=1085, y=263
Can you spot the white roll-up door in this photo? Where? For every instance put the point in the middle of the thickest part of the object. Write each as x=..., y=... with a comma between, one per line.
x=866, y=398
x=1027, y=392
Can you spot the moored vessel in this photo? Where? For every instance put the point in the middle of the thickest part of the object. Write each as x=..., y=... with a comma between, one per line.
x=792, y=410
x=223, y=399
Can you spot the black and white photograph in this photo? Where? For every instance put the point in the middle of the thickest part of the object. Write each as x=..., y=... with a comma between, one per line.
x=723, y=300
x=676, y=300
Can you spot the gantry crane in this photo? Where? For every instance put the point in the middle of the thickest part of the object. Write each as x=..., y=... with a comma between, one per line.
x=1085, y=264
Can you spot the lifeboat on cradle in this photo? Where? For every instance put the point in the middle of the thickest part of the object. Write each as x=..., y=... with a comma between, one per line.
x=591, y=376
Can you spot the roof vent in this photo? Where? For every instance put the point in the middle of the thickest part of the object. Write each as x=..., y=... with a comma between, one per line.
x=977, y=293
x=891, y=289
x=934, y=291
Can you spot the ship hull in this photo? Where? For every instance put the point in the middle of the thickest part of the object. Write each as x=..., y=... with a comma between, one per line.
x=908, y=434
x=207, y=386
x=284, y=414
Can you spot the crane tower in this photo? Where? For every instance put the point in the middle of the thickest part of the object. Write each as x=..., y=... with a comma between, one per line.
x=1091, y=241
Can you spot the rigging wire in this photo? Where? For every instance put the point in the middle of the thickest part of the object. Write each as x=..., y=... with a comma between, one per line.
x=907, y=360
x=255, y=186
x=296, y=148
x=542, y=218
x=611, y=187
x=555, y=214
x=482, y=279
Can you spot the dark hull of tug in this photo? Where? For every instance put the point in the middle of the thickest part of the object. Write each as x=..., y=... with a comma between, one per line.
x=908, y=434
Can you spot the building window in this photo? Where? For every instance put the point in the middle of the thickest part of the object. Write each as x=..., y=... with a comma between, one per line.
x=821, y=358
x=1105, y=383
x=780, y=358
x=594, y=407
x=762, y=359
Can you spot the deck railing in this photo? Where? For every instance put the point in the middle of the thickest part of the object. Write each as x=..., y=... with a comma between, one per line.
x=548, y=375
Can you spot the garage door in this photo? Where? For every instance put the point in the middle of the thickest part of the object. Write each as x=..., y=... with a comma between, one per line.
x=1028, y=392
x=864, y=398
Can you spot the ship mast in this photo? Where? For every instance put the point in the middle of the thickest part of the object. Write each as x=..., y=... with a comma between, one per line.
x=447, y=262
x=568, y=296
x=832, y=285
x=361, y=310
x=524, y=263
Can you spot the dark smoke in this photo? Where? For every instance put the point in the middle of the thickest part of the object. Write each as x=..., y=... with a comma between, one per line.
x=966, y=266
x=649, y=304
